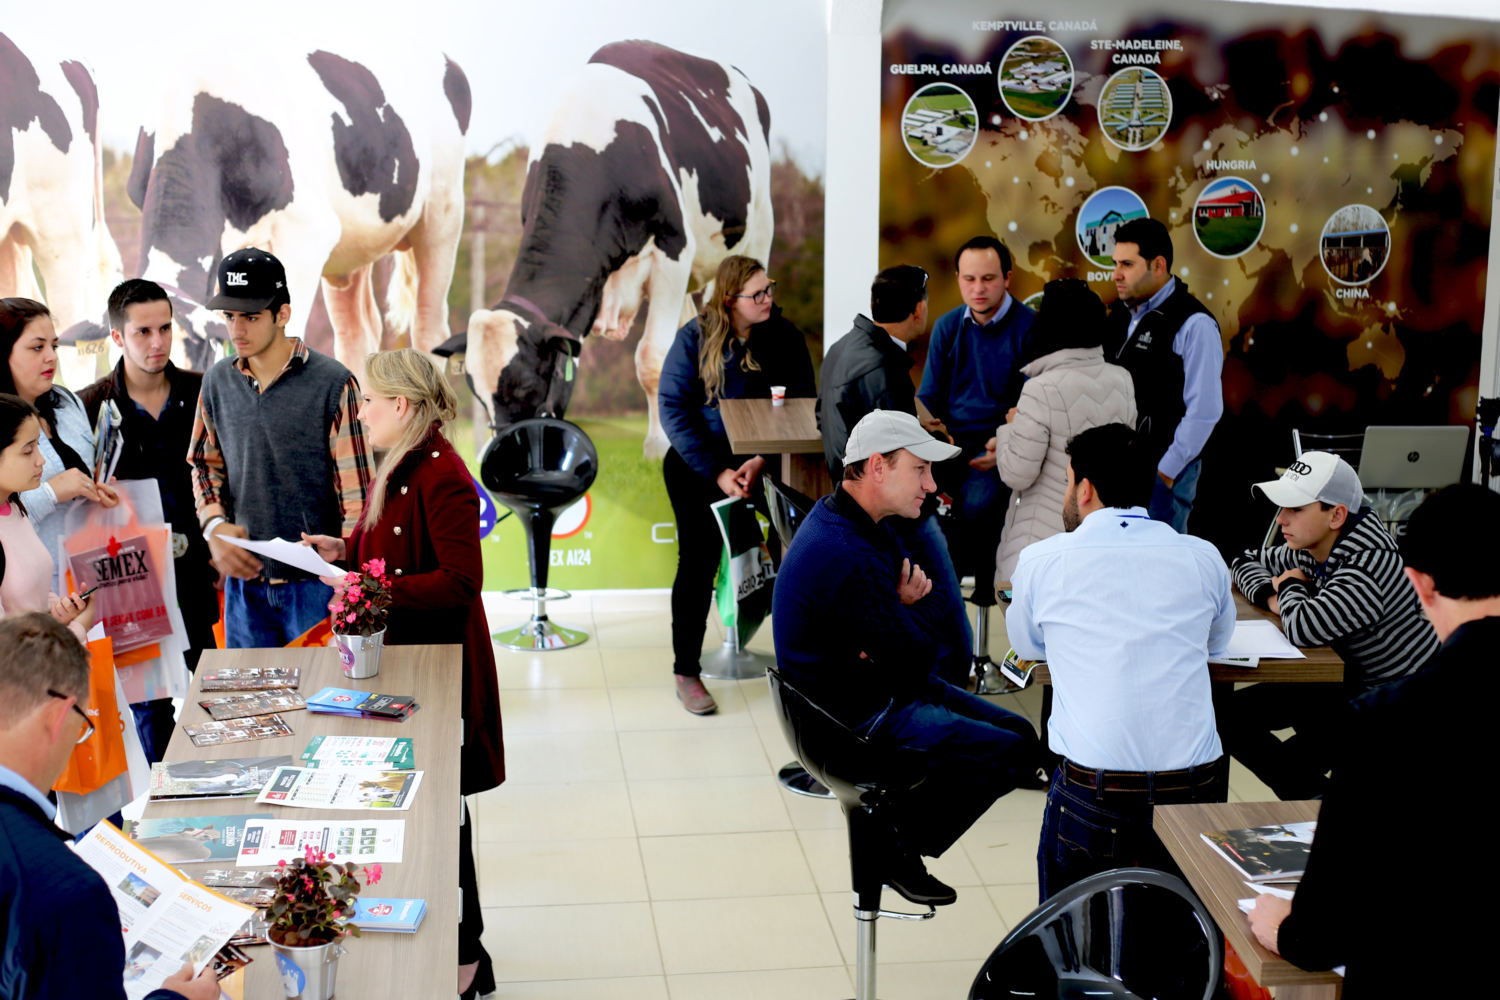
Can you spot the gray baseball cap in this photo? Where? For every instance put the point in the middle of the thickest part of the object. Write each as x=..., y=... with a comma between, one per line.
x=880, y=431
x=1316, y=475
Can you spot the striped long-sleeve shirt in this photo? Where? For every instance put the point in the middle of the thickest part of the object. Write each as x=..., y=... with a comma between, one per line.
x=1359, y=601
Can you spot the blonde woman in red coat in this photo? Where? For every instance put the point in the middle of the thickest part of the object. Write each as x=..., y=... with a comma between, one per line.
x=422, y=518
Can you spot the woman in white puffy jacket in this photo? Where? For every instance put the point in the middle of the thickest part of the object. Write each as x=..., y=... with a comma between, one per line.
x=1069, y=388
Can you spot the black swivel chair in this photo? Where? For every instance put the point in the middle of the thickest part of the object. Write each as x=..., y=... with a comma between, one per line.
x=537, y=468
x=1123, y=934
x=862, y=777
x=789, y=508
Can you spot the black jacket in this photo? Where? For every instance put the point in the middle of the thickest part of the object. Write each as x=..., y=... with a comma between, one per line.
x=865, y=370
x=1154, y=367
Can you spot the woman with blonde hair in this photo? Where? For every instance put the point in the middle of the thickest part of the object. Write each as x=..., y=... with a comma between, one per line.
x=422, y=518
x=737, y=347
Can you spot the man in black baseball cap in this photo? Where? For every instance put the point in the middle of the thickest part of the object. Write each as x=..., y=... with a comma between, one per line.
x=277, y=450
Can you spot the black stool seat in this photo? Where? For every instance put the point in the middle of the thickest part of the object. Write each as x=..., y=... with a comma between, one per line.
x=538, y=468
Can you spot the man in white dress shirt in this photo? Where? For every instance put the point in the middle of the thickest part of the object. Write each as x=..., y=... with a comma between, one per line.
x=1126, y=613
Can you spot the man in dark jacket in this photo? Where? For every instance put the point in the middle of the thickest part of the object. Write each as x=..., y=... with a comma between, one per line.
x=868, y=369
x=857, y=625
x=60, y=926
x=156, y=401
x=1408, y=933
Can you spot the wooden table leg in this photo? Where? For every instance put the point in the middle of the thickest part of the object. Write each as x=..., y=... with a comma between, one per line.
x=806, y=474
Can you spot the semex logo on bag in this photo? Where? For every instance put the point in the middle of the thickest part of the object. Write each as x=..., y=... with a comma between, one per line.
x=120, y=566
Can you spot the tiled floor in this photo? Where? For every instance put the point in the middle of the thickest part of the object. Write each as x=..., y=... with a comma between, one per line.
x=637, y=851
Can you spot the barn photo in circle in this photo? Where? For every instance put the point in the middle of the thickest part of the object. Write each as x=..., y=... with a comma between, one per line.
x=1355, y=245
x=1105, y=211
x=939, y=125
x=1035, y=77
x=1229, y=217
x=1135, y=108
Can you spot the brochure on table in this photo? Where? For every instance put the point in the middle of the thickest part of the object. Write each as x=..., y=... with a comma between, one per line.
x=336, y=788
x=167, y=918
x=362, y=841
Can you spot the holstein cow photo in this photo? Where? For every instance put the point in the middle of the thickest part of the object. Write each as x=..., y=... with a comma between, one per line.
x=51, y=199
x=325, y=163
x=654, y=167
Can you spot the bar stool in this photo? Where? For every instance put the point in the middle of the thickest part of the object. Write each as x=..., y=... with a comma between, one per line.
x=537, y=468
x=863, y=777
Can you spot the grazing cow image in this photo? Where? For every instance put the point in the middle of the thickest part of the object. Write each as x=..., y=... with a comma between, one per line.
x=51, y=200
x=654, y=167
x=324, y=163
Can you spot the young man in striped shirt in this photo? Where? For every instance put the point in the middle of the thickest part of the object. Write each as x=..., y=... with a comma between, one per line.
x=1337, y=580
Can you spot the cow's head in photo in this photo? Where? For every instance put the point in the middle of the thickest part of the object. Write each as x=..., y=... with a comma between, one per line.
x=519, y=364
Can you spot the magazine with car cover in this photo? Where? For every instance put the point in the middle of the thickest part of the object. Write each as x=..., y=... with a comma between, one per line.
x=251, y=679
x=1266, y=853
x=186, y=839
x=237, y=706
x=360, y=752
x=402, y=916
x=246, y=730
x=230, y=778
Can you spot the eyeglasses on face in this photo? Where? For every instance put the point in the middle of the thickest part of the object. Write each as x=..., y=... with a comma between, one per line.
x=761, y=297
x=88, y=724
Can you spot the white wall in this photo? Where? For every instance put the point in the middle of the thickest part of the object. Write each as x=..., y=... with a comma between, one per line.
x=852, y=183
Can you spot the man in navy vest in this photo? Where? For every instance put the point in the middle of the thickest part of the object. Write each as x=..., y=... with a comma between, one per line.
x=1170, y=344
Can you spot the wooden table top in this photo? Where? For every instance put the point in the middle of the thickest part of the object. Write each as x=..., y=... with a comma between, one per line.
x=429, y=866
x=755, y=427
x=1221, y=887
x=1322, y=664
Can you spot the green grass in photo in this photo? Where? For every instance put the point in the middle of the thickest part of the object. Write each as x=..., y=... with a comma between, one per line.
x=1229, y=236
x=1034, y=105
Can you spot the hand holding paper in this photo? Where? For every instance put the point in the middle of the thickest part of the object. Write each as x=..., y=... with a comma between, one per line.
x=292, y=553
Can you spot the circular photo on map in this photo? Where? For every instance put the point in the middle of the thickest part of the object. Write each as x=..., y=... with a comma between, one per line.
x=1229, y=217
x=939, y=125
x=1105, y=211
x=1035, y=78
x=1356, y=244
x=1033, y=302
x=1135, y=108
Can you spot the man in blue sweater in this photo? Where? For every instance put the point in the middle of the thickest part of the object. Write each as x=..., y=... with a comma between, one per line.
x=973, y=376
x=58, y=921
x=858, y=624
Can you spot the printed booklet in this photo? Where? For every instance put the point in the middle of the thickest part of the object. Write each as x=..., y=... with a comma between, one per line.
x=230, y=778
x=334, y=788
x=182, y=840
x=252, y=727
x=393, y=753
x=362, y=841
x=251, y=679
x=237, y=706
x=402, y=916
x=1266, y=853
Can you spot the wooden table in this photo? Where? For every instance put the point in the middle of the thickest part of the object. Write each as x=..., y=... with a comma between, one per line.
x=1322, y=664
x=755, y=427
x=424, y=963
x=1221, y=887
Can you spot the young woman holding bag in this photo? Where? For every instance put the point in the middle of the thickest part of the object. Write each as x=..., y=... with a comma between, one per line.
x=422, y=518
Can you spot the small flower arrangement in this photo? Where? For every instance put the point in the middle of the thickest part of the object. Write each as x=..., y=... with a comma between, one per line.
x=315, y=898
x=359, y=607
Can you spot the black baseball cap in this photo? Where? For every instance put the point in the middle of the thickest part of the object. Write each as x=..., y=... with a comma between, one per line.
x=249, y=281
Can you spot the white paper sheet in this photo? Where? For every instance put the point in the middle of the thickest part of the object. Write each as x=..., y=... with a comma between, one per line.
x=363, y=840
x=303, y=557
x=1261, y=638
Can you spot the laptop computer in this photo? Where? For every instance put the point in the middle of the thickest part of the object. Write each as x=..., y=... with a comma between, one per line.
x=1403, y=458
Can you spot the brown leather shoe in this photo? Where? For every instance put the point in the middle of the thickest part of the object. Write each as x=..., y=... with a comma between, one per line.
x=694, y=696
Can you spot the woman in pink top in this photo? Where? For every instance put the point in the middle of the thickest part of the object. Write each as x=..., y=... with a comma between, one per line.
x=25, y=565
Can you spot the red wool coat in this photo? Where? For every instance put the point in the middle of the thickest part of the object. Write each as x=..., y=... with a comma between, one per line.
x=428, y=535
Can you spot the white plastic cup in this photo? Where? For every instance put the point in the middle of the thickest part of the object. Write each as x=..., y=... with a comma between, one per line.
x=778, y=395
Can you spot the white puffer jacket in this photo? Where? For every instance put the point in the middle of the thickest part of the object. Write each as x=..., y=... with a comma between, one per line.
x=1066, y=392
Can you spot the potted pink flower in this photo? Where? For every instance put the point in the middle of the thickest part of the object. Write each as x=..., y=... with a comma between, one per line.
x=357, y=614
x=310, y=915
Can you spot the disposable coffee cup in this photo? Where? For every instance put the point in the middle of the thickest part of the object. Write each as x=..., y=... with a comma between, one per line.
x=778, y=395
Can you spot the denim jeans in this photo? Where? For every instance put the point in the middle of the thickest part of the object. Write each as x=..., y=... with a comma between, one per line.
x=1173, y=504
x=972, y=751
x=955, y=646
x=974, y=524
x=258, y=614
x=1087, y=830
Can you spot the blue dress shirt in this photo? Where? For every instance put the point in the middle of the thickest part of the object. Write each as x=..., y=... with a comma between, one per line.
x=1201, y=349
x=973, y=372
x=16, y=783
x=1126, y=613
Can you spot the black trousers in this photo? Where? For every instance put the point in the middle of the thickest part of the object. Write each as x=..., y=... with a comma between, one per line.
x=471, y=918
x=1295, y=768
x=699, y=545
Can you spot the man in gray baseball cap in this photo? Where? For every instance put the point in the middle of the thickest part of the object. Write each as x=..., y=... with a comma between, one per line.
x=858, y=624
x=1336, y=579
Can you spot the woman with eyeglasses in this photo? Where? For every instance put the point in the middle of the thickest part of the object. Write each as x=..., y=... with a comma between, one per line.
x=737, y=347
x=25, y=564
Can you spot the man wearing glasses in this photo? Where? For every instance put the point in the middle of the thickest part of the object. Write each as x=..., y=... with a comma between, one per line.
x=44, y=685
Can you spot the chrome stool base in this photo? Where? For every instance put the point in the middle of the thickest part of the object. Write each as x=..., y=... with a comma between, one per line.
x=794, y=778
x=731, y=663
x=539, y=634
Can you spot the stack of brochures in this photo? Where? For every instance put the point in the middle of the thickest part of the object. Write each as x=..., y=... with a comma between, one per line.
x=1266, y=854
x=251, y=679
x=382, y=753
x=403, y=916
x=230, y=778
x=238, y=706
x=362, y=704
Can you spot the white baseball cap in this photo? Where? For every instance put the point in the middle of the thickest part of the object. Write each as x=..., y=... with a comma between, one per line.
x=1317, y=475
x=881, y=431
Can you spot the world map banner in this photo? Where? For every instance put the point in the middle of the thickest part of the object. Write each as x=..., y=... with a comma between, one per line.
x=1326, y=177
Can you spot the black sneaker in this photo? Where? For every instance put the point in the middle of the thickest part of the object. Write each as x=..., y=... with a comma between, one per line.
x=911, y=879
